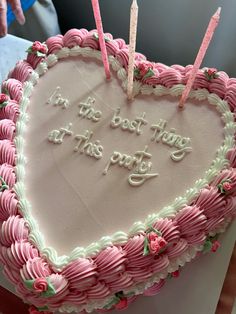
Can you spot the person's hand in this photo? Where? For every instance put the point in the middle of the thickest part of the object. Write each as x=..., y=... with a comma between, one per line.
x=17, y=10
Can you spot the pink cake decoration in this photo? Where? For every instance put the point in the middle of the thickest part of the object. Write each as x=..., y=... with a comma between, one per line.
x=109, y=279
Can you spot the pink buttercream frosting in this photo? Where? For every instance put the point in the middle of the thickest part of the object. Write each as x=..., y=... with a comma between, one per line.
x=211, y=201
x=11, y=111
x=110, y=263
x=168, y=229
x=134, y=248
x=35, y=268
x=7, y=129
x=8, y=205
x=54, y=43
x=116, y=267
x=21, y=71
x=13, y=88
x=192, y=223
x=13, y=229
x=18, y=253
x=7, y=152
x=177, y=249
x=7, y=172
x=155, y=289
x=81, y=274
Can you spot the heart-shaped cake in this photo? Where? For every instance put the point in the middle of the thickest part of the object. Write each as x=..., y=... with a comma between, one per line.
x=103, y=199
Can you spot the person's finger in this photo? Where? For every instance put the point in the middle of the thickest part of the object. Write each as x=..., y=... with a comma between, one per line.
x=17, y=10
x=3, y=18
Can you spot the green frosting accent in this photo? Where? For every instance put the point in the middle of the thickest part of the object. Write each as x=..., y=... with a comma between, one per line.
x=146, y=248
x=95, y=35
x=149, y=73
x=3, y=104
x=114, y=301
x=41, y=309
x=221, y=187
x=3, y=186
x=37, y=53
x=50, y=291
x=207, y=246
x=29, y=284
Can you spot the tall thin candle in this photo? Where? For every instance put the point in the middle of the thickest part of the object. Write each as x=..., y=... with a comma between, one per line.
x=201, y=53
x=132, y=47
x=98, y=21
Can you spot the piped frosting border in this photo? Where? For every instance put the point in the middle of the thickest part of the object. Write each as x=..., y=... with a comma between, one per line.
x=82, y=281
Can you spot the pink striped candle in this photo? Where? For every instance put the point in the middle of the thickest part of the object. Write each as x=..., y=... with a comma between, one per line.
x=201, y=53
x=132, y=47
x=98, y=21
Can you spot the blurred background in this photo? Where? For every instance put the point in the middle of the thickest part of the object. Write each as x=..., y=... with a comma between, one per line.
x=169, y=31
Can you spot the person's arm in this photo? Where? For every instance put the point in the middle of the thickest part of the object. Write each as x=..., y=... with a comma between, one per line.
x=17, y=10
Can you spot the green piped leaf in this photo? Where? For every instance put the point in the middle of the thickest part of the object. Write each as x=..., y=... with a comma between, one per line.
x=137, y=73
x=95, y=35
x=3, y=104
x=3, y=185
x=207, y=246
x=42, y=308
x=50, y=290
x=146, y=248
x=114, y=301
x=40, y=54
x=29, y=284
x=149, y=73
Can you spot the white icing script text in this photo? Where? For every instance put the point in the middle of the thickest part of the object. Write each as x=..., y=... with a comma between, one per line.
x=172, y=139
x=136, y=163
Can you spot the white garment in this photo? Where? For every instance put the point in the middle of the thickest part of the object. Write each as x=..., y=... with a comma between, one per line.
x=41, y=22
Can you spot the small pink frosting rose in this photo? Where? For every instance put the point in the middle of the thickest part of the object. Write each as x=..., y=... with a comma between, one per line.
x=38, y=46
x=152, y=236
x=154, y=246
x=175, y=274
x=162, y=242
x=144, y=68
x=211, y=71
x=40, y=285
x=227, y=186
x=122, y=305
x=215, y=246
x=3, y=98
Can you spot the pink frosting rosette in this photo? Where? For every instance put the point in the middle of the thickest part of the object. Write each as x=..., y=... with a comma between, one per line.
x=161, y=263
x=8, y=205
x=18, y=254
x=35, y=268
x=7, y=173
x=176, y=249
x=168, y=229
x=54, y=44
x=21, y=72
x=13, y=229
x=134, y=248
x=99, y=291
x=73, y=38
x=211, y=201
x=155, y=289
x=13, y=88
x=123, y=281
x=110, y=263
x=81, y=273
x=192, y=223
x=7, y=152
x=7, y=129
x=11, y=111
x=218, y=85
